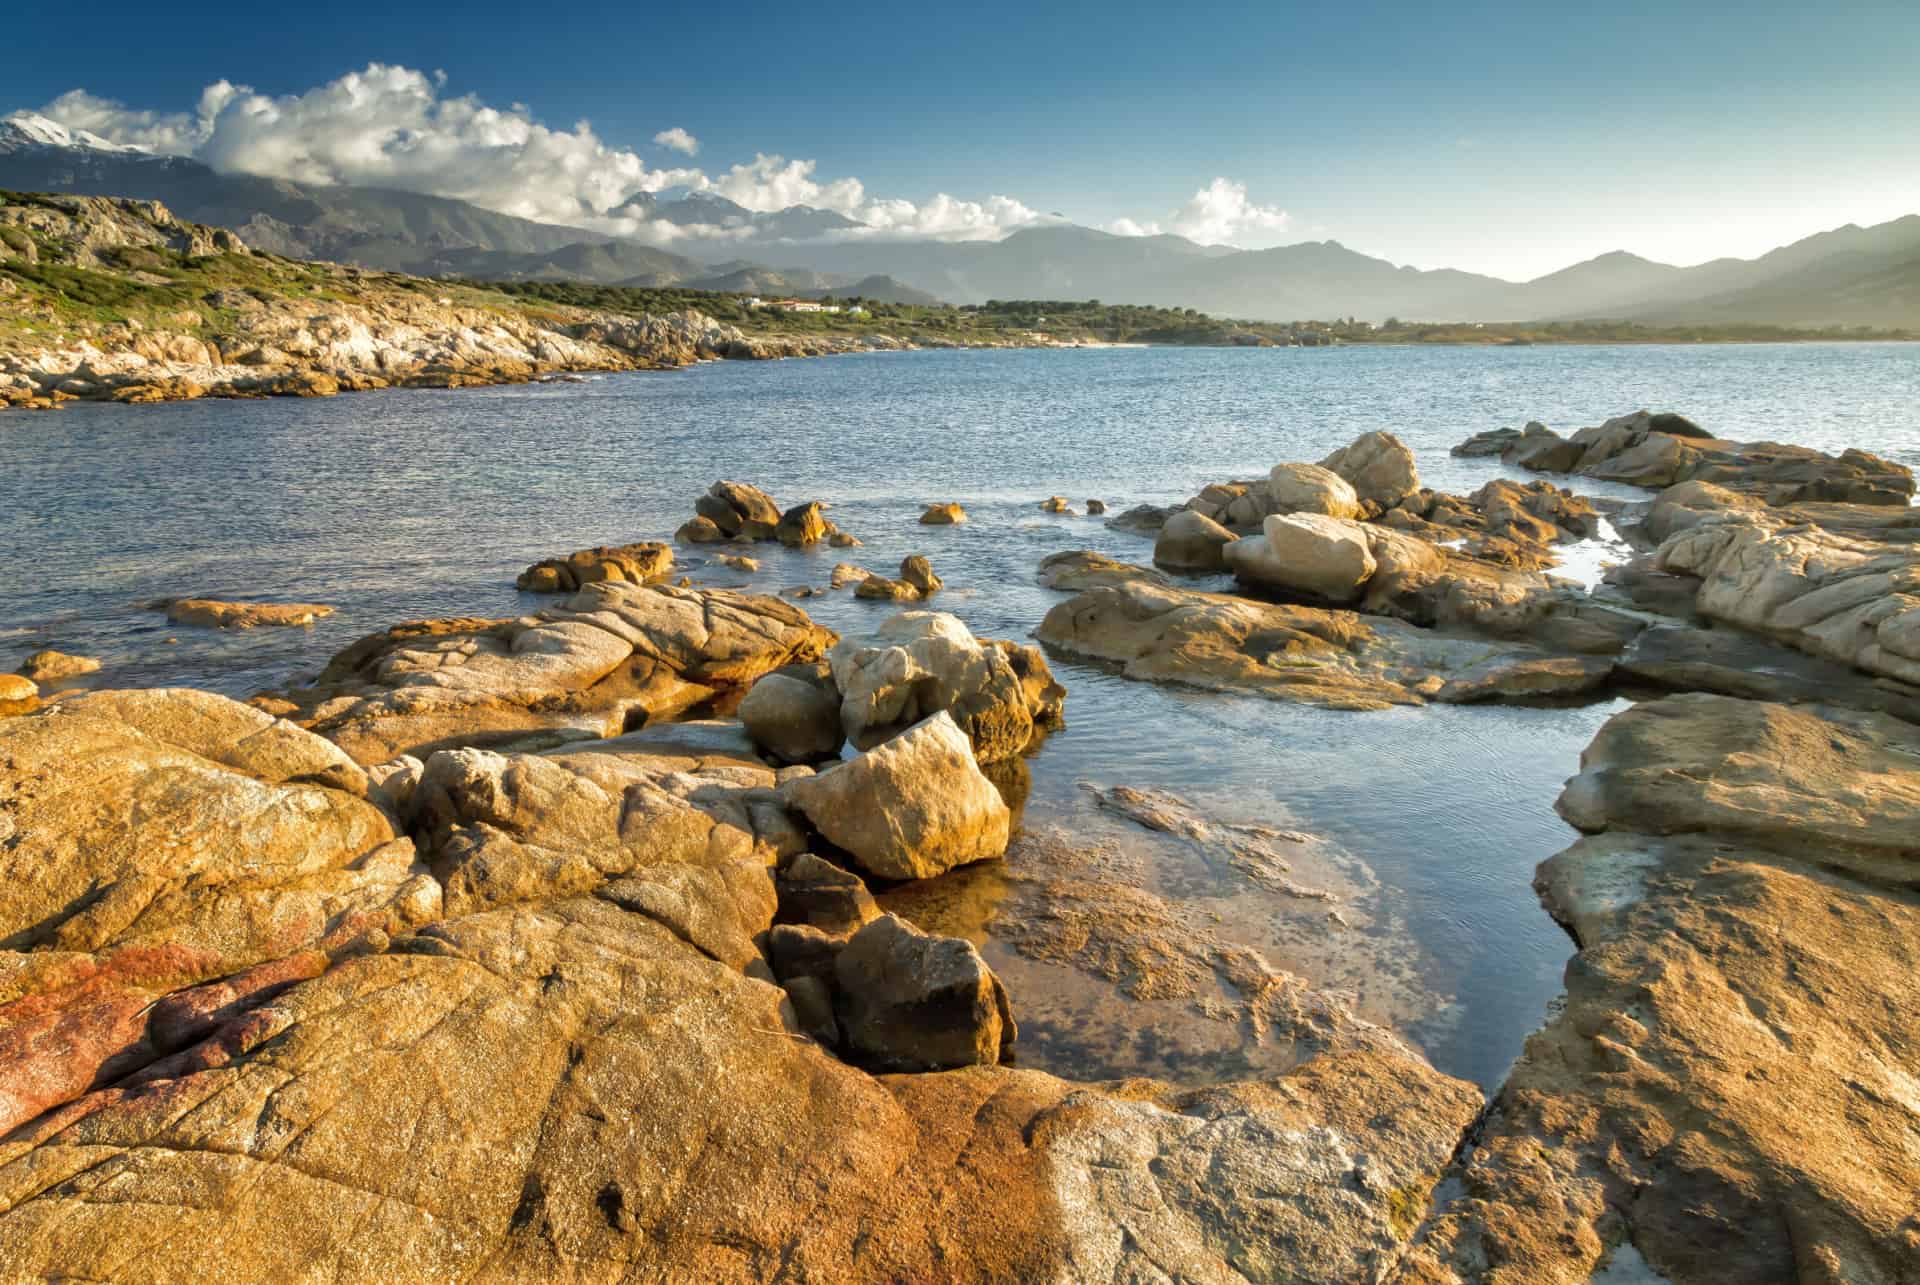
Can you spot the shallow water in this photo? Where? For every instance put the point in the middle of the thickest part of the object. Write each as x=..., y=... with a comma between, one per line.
x=1427, y=823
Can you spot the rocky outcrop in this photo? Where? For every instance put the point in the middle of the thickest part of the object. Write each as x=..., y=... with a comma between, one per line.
x=1724, y=1083
x=213, y=614
x=1336, y=659
x=917, y=582
x=1850, y=600
x=1001, y=694
x=910, y=808
x=1659, y=450
x=632, y=563
x=612, y=656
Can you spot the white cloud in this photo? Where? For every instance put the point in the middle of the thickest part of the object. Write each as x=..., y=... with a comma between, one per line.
x=1221, y=214
x=390, y=126
x=678, y=140
x=1128, y=227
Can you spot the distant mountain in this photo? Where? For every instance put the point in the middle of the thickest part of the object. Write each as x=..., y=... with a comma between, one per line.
x=397, y=231
x=876, y=289
x=1849, y=276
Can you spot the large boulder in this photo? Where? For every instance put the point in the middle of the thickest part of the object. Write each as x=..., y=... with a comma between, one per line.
x=920, y=662
x=611, y=656
x=1379, y=466
x=910, y=1002
x=913, y=807
x=1307, y=553
x=801, y=525
x=1190, y=541
x=51, y=666
x=1309, y=488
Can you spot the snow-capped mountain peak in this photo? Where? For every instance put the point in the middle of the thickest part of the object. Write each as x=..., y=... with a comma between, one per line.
x=30, y=129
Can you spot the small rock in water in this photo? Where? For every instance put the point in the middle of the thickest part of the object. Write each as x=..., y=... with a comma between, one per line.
x=1096, y=507
x=943, y=515
x=736, y=561
x=49, y=666
x=243, y=615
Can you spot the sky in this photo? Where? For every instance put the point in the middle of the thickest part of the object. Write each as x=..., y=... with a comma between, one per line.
x=1497, y=137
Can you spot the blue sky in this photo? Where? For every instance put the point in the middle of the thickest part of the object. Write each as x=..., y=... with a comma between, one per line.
x=1511, y=138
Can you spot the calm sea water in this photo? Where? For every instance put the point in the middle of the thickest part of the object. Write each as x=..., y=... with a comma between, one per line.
x=408, y=504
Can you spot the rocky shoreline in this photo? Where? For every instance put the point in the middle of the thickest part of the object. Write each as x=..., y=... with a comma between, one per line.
x=283, y=328
x=550, y=946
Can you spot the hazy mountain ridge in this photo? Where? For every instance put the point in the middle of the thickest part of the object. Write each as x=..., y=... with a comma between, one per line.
x=1849, y=276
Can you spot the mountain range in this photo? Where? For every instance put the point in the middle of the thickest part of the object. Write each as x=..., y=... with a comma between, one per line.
x=1849, y=276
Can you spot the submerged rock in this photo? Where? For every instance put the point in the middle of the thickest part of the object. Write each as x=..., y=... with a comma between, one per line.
x=943, y=515
x=52, y=666
x=912, y=807
x=1084, y=568
x=213, y=614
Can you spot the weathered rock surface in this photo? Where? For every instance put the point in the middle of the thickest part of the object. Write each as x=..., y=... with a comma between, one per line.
x=1190, y=541
x=802, y=525
x=1764, y=772
x=1379, y=466
x=1309, y=488
x=50, y=666
x=1519, y=677
x=1732, y=662
x=213, y=614
x=1845, y=599
x=1728, y=1085
x=917, y=582
x=203, y=837
x=947, y=514
x=633, y=563
x=1337, y=659
x=910, y=808
x=1143, y=519
x=1001, y=694
x=604, y=659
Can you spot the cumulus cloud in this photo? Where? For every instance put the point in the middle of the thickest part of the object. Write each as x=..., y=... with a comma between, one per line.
x=678, y=140
x=391, y=126
x=1221, y=214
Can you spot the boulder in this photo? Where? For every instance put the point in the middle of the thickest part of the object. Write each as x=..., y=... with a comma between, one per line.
x=815, y=892
x=699, y=530
x=802, y=525
x=52, y=666
x=214, y=614
x=1379, y=466
x=910, y=808
x=1519, y=676
x=794, y=714
x=1096, y=508
x=918, y=572
x=884, y=589
x=1307, y=553
x=1143, y=519
x=922, y=662
x=910, y=1002
x=1309, y=488
x=750, y=504
x=943, y=515
x=18, y=695
x=632, y=563
x=845, y=573
x=1056, y=504
x=736, y=562
x=1192, y=542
